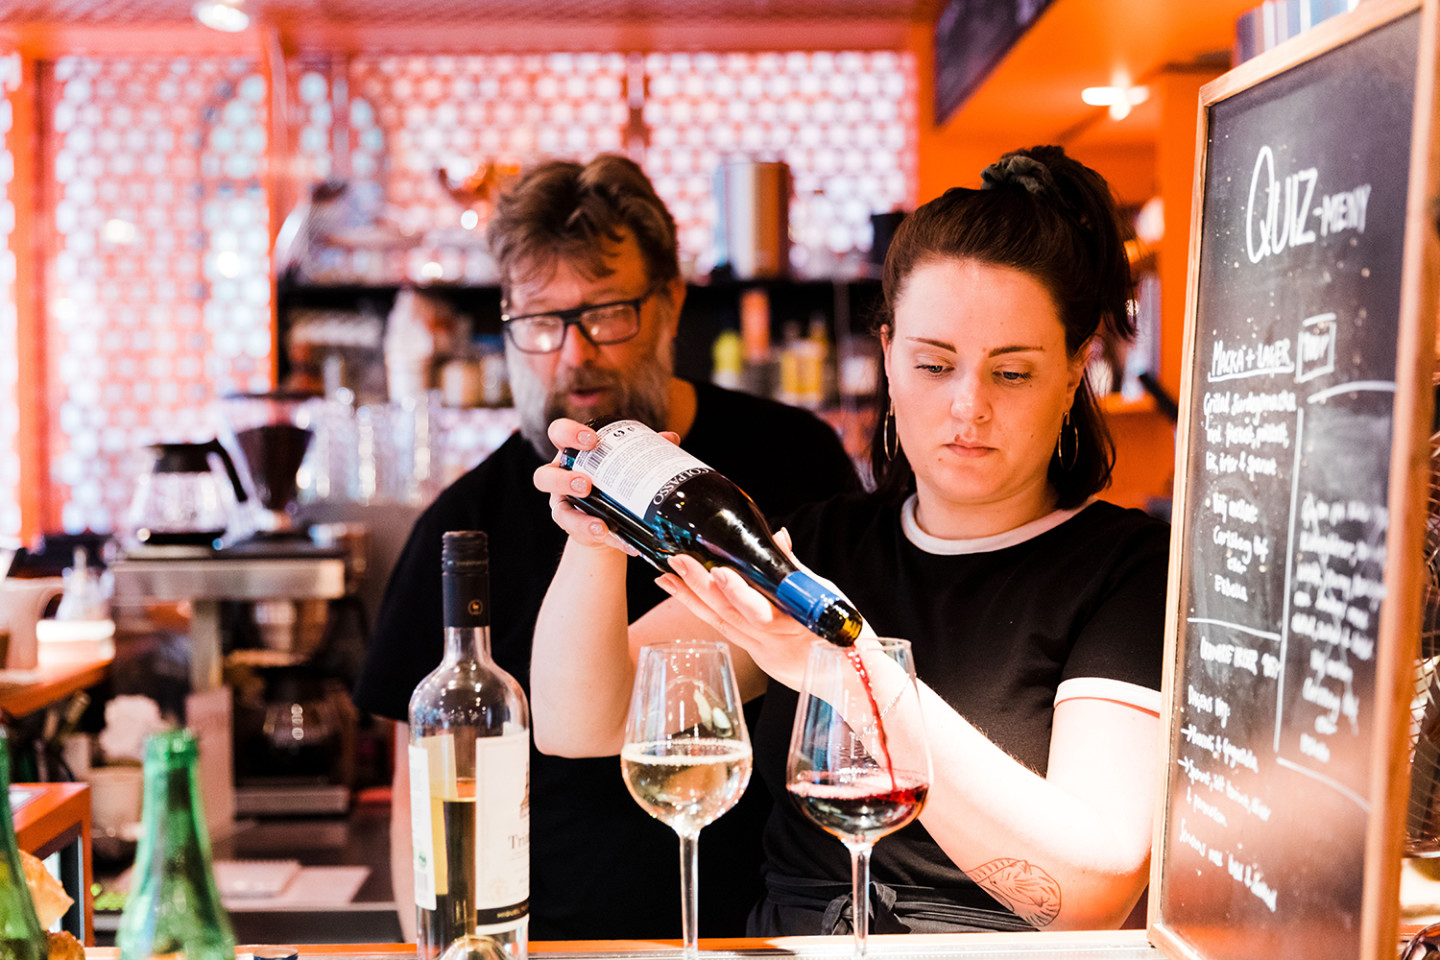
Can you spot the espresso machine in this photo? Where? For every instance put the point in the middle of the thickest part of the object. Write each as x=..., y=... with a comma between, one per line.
x=267, y=605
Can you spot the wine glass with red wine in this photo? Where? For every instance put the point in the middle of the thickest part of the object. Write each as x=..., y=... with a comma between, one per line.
x=859, y=765
x=686, y=758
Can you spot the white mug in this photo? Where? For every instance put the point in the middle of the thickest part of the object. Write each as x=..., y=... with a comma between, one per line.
x=116, y=795
x=22, y=604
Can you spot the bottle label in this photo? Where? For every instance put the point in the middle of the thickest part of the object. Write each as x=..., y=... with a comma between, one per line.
x=636, y=466
x=502, y=826
x=466, y=594
x=432, y=777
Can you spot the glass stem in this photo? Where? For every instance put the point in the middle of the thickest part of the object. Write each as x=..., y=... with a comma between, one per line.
x=690, y=893
x=860, y=896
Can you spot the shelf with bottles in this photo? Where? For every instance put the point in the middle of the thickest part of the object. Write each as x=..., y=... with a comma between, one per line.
x=344, y=326
x=420, y=369
x=333, y=337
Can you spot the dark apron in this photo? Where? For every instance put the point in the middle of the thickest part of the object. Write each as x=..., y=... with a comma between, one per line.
x=797, y=905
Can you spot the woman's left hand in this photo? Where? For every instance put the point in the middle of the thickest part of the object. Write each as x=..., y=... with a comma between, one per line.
x=777, y=642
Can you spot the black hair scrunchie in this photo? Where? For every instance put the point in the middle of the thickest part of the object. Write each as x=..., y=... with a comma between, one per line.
x=1018, y=169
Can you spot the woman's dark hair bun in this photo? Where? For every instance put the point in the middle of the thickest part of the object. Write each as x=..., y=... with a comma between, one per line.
x=1017, y=169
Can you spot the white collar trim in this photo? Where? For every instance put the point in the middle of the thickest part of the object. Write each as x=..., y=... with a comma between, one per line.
x=999, y=541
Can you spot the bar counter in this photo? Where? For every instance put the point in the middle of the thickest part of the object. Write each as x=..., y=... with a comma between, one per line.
x=1080, y=945
x=23, y=692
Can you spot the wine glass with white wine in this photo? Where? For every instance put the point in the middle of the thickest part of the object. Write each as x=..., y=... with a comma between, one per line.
x=859, y=764
x=686, y=758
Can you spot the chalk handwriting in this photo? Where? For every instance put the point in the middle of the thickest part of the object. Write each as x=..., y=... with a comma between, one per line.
x=1344, y=211
x=1242, y=658
x=1249, y=876
x=1274, y=228
x=1207, y=703
x=1317, y=347
x=1279, y=210
x=1234, y=508
x=1219, y=462
x=1252, y=360
x=1221, y=748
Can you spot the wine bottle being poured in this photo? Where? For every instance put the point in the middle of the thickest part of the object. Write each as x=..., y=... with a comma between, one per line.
x=663, y=502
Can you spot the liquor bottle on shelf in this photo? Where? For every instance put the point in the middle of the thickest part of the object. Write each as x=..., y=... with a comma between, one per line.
x=174, y=905
x=824, y=353
x=662, y=501
x=802, y=365
x=727, y=360
x=470, y=779
x=21, y=937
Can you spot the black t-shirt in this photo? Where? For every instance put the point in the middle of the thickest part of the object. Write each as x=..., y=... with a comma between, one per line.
x=995, y=631
x=600, y=867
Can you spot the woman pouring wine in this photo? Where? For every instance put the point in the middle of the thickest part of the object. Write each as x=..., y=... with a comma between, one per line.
x=1034, y=610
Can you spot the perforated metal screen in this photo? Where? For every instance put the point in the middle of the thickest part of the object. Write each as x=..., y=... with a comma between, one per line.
x=157, y=287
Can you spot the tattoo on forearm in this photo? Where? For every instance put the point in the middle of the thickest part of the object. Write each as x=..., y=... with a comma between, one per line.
x=1026, y=890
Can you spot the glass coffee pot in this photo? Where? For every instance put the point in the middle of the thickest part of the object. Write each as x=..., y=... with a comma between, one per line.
x=183, y=501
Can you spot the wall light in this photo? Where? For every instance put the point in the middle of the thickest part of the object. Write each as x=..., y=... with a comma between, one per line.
x=1118, y=99
x=226, y=15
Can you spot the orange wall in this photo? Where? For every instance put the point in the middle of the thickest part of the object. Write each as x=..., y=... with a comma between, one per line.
x=949, y=158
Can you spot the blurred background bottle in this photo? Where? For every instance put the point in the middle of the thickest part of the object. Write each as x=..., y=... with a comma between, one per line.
x=174, y=905
x=803, y=363
x=759, y=373
x=727, y=361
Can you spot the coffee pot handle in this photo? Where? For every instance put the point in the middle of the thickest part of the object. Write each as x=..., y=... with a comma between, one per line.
x=215, y=446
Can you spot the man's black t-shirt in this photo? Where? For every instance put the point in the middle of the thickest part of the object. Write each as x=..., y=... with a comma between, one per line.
x=600, y=867
x=1071, y=605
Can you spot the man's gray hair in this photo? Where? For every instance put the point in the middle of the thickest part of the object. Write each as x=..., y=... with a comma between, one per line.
x=560, y=210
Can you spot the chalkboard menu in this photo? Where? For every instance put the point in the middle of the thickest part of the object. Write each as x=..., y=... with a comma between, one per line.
x=1281, y=687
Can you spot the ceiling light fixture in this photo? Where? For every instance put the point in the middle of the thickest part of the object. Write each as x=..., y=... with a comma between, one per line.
x=1118, y=99
x=226, y=15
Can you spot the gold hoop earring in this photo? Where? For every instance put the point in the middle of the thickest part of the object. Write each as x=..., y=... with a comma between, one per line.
x=1074, y=444
x=886, y=431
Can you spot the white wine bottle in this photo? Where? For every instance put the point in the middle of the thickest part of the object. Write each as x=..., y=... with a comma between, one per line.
x=662, y=501
x=470, y=780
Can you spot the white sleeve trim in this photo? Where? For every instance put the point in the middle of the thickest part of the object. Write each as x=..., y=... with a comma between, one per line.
x=1100, y=688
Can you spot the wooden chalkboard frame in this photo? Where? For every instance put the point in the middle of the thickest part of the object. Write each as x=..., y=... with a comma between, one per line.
x=1408, y=477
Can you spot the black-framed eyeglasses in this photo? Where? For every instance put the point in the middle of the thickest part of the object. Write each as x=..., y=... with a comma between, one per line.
x=601, y=323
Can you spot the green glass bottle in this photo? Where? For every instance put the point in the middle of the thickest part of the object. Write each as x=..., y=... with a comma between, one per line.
x=20, y=935
x=174, y=906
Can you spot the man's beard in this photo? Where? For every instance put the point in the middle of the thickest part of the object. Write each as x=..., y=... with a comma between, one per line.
x=643, y=393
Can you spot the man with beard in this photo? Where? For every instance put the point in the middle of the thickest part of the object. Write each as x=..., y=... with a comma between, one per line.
x=592, y=296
